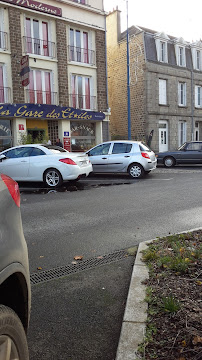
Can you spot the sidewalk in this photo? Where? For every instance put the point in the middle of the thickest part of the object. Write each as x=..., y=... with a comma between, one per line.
x=133, y=326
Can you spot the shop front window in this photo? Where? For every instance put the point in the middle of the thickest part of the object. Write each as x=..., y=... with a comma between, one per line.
x=5, y=135
x=82, y=136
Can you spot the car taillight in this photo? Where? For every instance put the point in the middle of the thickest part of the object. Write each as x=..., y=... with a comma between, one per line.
x=68, y=161
x=145, y=155
x=13, y=188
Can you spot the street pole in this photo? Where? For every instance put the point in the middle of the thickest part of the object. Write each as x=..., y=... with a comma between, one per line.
x=128, y=77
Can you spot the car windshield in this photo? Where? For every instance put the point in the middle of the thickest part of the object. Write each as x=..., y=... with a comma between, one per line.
x=55, y=149
x=181, y=147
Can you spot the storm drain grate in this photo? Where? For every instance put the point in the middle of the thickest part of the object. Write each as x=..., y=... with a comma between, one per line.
x=47, y=275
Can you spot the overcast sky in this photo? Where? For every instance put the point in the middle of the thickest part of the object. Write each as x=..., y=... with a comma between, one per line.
x=180, y=18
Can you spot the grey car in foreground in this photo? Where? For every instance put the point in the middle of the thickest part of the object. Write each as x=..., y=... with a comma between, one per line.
x=188, y=153
x=122, y=156
x=14, y=275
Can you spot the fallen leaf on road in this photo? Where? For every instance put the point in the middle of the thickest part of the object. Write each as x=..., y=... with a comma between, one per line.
x=197, y=340
x=74, y=262
x=41, y=257
x=100, y=257
x=39, y=268
x=78, y=257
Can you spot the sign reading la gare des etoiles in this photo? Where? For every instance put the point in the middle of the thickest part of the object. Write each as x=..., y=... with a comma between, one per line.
x=49, y=112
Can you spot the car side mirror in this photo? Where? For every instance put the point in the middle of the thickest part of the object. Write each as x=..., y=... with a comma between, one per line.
x=3, y=157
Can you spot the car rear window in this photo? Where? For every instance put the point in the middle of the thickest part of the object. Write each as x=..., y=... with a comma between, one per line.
x=55, y=149
x=120, y=148
x=143, y=147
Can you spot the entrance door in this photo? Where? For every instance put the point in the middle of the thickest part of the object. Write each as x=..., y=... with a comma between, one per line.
x=163, y=136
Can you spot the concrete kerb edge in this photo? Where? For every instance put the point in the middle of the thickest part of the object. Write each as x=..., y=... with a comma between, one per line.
x=135, y=315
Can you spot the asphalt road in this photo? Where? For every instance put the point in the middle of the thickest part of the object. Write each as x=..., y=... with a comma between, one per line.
x=79, y=316
x=104, y=218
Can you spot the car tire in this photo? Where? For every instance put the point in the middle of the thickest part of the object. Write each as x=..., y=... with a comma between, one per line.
x=136, y=171
x=52, y=178
x=169, y=161
x=13, y=341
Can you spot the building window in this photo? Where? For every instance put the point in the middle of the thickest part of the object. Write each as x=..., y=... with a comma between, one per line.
x=182, y=132
x=198, y=60
x=182, y=94
x=3, y=35
x=82, y=136
x=40, y=88
x=6, y=140
x=198, y=96
x=80, y=1
x=163, y=51
x=5, y=92
x=180, y=55
x=162, y=92
x=79, y=47
x=80, y=96
x=37, y=36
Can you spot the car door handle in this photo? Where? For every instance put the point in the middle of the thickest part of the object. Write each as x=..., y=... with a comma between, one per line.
x=104, y=158
x=127, y=156
x=25, y=161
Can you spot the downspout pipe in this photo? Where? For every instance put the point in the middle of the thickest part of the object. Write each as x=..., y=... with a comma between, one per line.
x=192, y=105
x=128, y=79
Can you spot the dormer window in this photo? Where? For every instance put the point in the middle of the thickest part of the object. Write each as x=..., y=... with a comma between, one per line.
x=161, y=40
x=196, y=50
x=180, y=52
x=163, y=51
x=198, y=60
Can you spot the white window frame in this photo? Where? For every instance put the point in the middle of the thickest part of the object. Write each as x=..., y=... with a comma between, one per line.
x=180, y=55
x=182, y=132
x=5, y=80
x=40, y=20
x=83, y=86
x=162, y=92
x=198, y=96
x=43, y=82
x=182, y=98
x=82, y=42
x=162, y=50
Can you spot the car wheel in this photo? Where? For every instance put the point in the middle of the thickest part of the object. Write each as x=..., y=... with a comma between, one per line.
x=13, y=341
x=52, y=178
x=136, y=171
x=169, y=161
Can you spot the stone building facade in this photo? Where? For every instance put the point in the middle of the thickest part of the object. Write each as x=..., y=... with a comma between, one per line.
x=53, y=72
x=165, y=86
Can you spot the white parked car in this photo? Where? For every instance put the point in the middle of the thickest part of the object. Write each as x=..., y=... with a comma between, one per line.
x=47, y=163
x=122, y=156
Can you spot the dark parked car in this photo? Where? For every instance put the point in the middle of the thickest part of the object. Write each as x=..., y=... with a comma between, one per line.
x=188, y=153
x=14, y=275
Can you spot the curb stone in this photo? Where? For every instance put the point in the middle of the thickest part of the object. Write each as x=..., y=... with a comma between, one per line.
x=135, y=316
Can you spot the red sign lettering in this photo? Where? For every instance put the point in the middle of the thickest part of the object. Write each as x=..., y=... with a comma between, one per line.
x=36, y=5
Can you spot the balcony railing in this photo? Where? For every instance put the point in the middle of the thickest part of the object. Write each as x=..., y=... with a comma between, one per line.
x=83, y=101
x=41, y=97
x=3, y=40
x=5, y=95
x=39, y=47
x=81, y=55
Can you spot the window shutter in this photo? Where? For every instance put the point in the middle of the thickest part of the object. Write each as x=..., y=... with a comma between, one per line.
x=185, y=93
x=162, y=92
x=158, y=49
x=179, y=93
x=196, y=96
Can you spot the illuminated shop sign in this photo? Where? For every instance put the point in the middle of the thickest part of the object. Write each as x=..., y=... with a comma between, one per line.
x=36, y=5
x=50, y=112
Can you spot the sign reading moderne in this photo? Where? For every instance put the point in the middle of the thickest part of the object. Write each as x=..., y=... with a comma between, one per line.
x=36, y=5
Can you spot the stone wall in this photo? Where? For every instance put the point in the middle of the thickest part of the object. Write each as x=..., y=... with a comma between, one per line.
x=61, y=30
x=101, y=71
x=16, y=51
